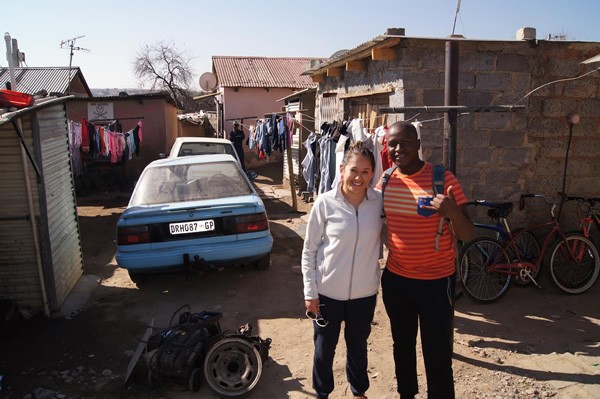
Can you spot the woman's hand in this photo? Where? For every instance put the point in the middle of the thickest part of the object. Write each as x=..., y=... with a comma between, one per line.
x=312, y=305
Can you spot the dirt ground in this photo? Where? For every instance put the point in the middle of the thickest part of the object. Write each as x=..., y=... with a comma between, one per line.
x=533, y=343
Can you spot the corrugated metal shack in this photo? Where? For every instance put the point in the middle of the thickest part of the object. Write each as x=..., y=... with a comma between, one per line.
x=40, y=248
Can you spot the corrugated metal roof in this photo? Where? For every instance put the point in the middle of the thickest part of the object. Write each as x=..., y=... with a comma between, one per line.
x=262, y=72
x=40, y=103
x=52, y=79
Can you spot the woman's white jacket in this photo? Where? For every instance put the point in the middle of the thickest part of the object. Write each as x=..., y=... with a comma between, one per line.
x=342, y=247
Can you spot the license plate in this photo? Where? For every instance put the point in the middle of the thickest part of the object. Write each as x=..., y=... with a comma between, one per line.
x=196, y=226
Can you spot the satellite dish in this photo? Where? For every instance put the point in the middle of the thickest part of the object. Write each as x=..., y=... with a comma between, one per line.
x=338, y=53
x=208, y=81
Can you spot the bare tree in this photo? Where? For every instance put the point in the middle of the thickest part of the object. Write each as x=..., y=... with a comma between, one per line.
x=163, y=66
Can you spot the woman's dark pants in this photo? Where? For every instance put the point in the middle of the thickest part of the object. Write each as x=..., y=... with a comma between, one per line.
x=357, y=315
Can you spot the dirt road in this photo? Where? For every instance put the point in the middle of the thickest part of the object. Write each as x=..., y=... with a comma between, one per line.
x=534, y=343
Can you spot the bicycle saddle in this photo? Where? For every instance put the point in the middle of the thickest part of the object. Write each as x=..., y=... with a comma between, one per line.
x=501, y=210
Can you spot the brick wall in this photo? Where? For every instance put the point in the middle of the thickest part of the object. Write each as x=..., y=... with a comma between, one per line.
x=499, y=154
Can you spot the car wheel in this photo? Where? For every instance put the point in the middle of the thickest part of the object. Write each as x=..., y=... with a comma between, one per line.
x=232, y=367
x=264, y=263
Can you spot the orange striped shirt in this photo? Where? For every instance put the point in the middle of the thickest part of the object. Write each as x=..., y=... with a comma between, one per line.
x=410, y=236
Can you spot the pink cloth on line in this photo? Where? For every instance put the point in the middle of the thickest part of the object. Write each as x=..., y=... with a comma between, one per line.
x=140, y=124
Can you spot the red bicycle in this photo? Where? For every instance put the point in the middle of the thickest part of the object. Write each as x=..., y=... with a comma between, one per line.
x=487, y=265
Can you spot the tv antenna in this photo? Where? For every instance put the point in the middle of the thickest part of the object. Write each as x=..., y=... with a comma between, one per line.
x=70, y=44
x=456, y=15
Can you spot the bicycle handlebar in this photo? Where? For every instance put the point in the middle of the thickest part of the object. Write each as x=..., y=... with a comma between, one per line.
x=591, y=200
x=487, y=203
x=522, y=201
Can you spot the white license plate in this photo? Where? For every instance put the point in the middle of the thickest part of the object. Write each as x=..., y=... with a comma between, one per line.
x=196, y=226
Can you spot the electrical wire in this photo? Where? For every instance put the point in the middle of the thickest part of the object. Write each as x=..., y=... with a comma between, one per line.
x=555, y=81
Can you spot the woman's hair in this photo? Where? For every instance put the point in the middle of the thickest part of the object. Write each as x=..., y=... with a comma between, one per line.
x=359, y=148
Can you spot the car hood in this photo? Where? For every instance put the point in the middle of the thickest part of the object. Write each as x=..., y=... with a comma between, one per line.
x=160, y=209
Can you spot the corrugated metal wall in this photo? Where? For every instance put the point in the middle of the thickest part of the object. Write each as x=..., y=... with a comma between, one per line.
x=19, y=279
x=61, y=227
x=55, y=207
x=328, y=111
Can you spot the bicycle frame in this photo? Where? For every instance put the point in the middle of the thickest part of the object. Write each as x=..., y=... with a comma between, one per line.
x=500, y=226
x=515, y=267
x=498, y=212
x=487, y=265
x=592, y=213
x=592, y=216
x=521, y=265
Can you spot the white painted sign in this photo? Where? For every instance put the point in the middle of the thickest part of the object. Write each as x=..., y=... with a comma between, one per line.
x=97, y=111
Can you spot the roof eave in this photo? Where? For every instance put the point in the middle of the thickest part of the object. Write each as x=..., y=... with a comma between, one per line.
x=383, y=41
x=359, y=52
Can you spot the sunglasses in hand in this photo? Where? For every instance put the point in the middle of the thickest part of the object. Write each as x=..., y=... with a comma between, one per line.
x=317, y=318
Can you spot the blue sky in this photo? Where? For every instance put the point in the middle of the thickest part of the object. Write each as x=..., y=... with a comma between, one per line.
x=115, y=31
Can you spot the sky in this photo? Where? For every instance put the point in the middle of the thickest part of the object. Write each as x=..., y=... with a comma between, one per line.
x=114, y=32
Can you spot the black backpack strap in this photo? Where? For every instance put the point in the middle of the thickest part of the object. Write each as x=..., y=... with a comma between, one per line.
x=438, y=179
x=384, y=181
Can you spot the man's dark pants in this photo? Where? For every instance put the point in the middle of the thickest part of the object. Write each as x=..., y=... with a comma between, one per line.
x=411, y=303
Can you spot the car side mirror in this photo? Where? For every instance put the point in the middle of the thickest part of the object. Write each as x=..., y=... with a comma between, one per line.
x=162, y=155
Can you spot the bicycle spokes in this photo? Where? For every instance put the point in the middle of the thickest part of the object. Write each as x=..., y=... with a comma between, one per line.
x=480, y=272
x=574, y=264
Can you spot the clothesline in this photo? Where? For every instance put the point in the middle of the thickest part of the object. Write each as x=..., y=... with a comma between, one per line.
x=89, y=141
x=248, y=126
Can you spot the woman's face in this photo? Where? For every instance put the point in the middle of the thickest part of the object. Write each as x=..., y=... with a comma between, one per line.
x=356, y=174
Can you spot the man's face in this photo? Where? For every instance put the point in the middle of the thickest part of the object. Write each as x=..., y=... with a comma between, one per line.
x=403, y=148
x=235, y=126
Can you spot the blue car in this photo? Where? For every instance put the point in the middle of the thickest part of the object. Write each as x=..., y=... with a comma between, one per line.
x=192, y=213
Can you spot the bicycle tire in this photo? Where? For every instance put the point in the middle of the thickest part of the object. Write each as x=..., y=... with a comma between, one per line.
x=529, y=250
x=478, y=282
x=574, y=276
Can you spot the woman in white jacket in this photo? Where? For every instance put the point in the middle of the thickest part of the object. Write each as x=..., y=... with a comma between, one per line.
x=341, y=270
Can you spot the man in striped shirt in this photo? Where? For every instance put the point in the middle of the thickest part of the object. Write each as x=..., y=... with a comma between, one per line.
x=418, y=282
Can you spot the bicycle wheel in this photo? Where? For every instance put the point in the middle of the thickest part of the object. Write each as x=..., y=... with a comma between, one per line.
x=529, y=251
x=574, y=274
x=478, y=281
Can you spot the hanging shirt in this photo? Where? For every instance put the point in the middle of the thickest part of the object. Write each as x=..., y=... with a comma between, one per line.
x=356, y=129
x=85, y=136
x=378, y=140
x=327, y=162
x=308, y=163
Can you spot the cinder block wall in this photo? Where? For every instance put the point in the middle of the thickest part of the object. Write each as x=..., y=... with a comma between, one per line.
x=500, y=154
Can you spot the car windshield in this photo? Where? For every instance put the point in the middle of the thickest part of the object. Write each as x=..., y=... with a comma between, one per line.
x=198, y=148
x=189, y=182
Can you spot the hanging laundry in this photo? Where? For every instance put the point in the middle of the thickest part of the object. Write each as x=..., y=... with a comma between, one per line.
x=308, y=163
x=85, y=136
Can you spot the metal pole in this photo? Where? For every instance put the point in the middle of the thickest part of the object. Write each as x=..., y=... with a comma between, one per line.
x=450, y=99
